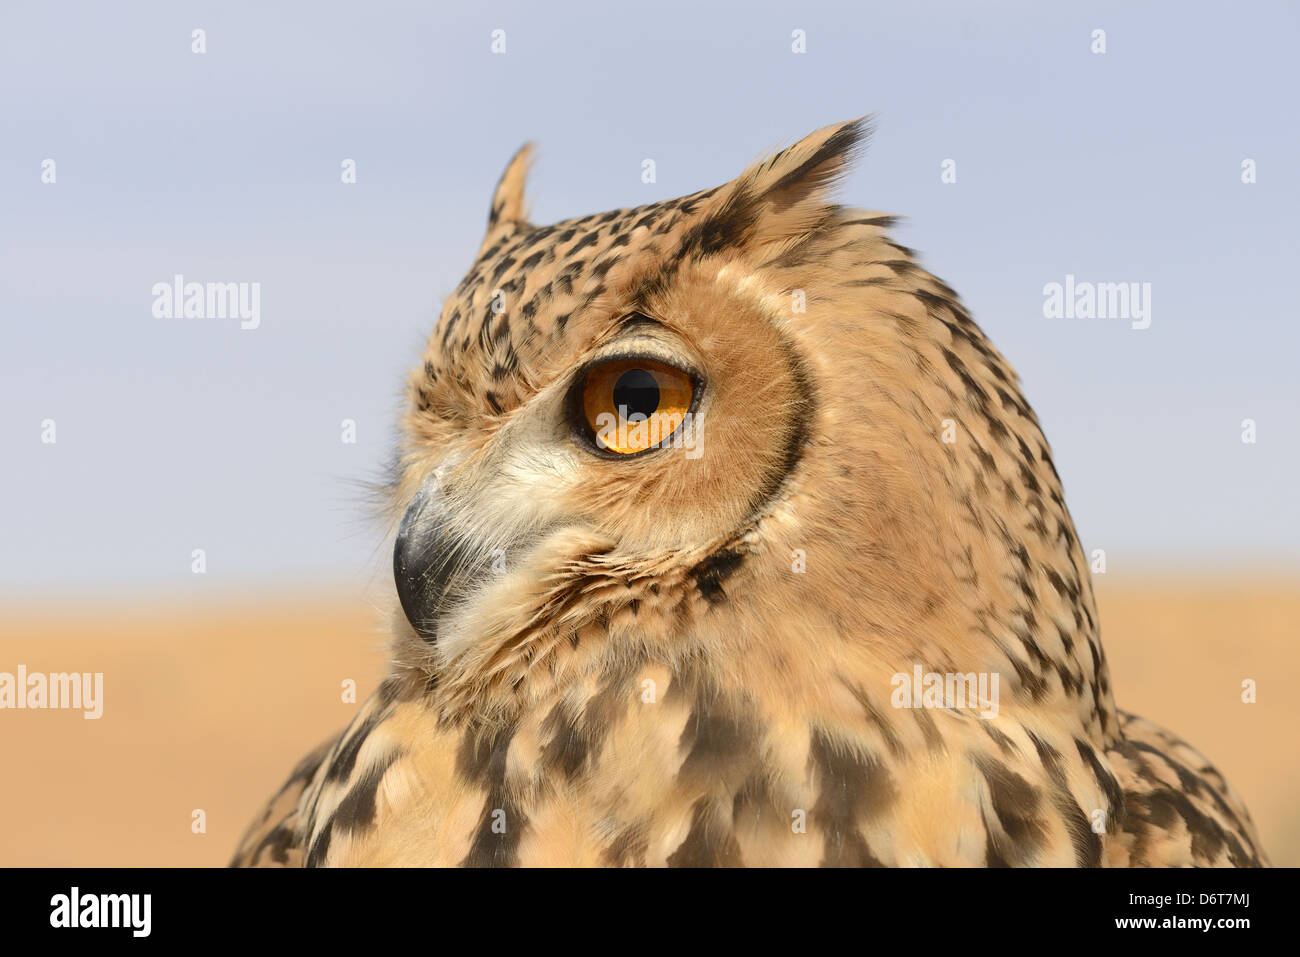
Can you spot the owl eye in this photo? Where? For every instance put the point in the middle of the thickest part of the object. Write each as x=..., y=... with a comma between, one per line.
x=630, y=405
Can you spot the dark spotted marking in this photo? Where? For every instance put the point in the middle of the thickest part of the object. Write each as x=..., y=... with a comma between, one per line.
x=1063, y=588
x=725, y=229
x=535, y=236
x=569, y=746
x=992, y=856
x=853, y=787
x=1106, y=781
x=986, y=460
x=1004, y=743
x=1191, y=782
x=320, y=849
x=502, y=268
x=933, y=739
x=711, y=573
x=1026, y=677
x=1083, y=839
x=482, y=760
x=534, y=260
x=340, y=768
x=1085, y=842
x=877, y=720
x=720, y=742
x=567, y=275
x=482, y=754
x=1209, y=838
x=1016, y=804
x=884, y=222
x=356, y=811
x=708, y=844
x=1072, y=684
x=1048, y=756
x=652, y=286
x=903, y=268
x=278, y=843
x=502, y=334
x=978, y=397
x=590, y=239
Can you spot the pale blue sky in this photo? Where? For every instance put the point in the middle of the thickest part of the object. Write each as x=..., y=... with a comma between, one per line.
x=225, y=166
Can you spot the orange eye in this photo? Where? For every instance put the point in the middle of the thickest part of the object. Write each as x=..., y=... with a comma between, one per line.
x=634, y=404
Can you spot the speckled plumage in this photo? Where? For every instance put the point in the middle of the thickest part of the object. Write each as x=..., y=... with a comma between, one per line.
x=627, y=663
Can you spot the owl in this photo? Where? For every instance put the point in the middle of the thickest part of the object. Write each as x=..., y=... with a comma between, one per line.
x=724, y=537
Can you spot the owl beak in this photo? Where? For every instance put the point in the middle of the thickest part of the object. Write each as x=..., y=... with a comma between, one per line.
x=422, y=561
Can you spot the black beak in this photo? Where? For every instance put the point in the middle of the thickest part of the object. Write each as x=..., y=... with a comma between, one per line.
x=423, y=562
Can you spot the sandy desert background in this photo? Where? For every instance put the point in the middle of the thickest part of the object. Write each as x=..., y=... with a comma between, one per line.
x=209, y=704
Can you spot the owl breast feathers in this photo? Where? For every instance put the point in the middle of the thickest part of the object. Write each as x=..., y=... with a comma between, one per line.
x=725, y=537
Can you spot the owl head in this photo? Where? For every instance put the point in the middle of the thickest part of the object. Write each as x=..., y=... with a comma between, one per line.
x=742, y=431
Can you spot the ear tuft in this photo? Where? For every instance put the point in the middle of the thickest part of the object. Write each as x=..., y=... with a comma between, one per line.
x=811, y=169
x=508, y=203
x=788, y=194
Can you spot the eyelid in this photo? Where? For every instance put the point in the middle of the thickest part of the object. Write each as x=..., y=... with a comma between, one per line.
x=644, y=347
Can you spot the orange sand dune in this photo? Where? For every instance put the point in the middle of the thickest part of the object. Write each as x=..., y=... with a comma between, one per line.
x=208, y=707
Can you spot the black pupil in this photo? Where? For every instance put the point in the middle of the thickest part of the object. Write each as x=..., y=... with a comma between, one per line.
x=636, y=392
